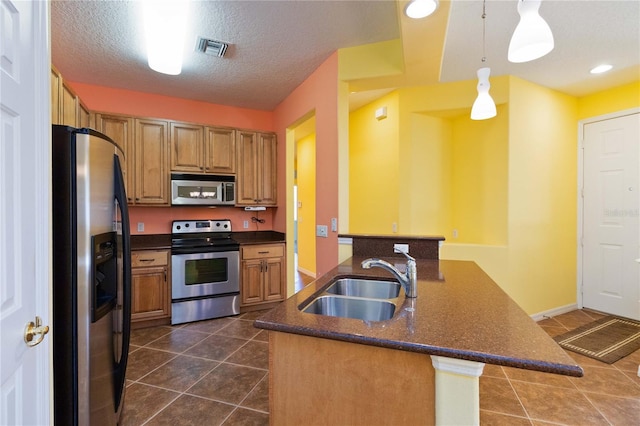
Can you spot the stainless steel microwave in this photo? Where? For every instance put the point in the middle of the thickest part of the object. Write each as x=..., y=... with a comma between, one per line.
x=202, y=190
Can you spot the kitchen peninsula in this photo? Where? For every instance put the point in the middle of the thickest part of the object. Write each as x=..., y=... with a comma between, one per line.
x=419, y=367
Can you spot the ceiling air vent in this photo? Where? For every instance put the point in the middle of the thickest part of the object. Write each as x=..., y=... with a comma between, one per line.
x=211, y=47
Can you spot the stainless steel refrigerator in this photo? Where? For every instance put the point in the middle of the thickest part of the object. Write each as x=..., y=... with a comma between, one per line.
x=91, y=278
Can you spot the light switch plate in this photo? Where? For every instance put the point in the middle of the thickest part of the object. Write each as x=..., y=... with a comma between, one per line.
x=322, y=231
x=140, y=226
x=245, y=224
x=334, y=224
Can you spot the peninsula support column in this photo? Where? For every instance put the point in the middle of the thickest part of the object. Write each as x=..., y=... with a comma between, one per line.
x=457, y=391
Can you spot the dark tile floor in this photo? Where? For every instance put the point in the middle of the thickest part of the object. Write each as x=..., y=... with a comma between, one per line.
x=608, y=394
x=206, y=373
x=216, y=373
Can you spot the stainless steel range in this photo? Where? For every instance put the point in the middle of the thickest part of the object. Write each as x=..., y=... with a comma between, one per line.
x=205, y=270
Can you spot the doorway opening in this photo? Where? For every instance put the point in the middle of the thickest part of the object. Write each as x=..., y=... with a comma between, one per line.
x=304, y=202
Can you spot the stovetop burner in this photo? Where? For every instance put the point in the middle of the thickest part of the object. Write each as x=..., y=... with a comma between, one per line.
x=202, y=233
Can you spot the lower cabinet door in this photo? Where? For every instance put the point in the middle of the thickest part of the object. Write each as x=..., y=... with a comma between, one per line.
x=150, y=296
x=251, y=290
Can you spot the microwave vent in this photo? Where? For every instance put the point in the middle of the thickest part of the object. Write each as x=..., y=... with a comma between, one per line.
x=211, y=47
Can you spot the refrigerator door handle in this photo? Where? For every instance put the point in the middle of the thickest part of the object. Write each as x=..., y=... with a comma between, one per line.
x=121, y=366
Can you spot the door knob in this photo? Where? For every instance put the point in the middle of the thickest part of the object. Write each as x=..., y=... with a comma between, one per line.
x=35, y=331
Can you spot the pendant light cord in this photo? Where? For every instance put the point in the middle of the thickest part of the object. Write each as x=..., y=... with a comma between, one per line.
x=484, y=30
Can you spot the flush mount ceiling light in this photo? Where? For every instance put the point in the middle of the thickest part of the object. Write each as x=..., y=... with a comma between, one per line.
x=165, y=26
x=484, y=107
x=418, y=9
x=532, y=38
x=601, y=68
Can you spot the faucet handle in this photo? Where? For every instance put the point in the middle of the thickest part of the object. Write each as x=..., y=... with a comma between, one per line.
x=406, y=254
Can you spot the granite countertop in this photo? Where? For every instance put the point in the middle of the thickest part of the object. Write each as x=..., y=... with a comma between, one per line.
x=459, y=313
x=163, y=241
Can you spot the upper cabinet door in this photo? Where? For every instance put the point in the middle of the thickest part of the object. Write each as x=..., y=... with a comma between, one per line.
x=267, y=164
x=69, y=112
x=120, y=129
x=257, y=156
x=56, y=84
x=220, y=150
x=151, y=162
x=187, y=147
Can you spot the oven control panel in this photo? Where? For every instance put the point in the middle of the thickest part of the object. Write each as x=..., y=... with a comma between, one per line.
x=200, y=226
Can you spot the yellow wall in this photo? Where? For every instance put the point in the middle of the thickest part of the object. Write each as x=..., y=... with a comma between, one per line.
x=508, y=184
x=425, y=175
x=480, y=177
x=542, y=197
x=306, y=181
x=373, y=168
x=608, y=101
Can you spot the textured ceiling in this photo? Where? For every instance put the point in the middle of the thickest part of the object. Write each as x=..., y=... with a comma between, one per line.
x=586, y=33
x=274, y=45
x=277, y=44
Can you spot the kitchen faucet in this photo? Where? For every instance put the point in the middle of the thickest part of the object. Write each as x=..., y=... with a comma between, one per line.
x=409, y=280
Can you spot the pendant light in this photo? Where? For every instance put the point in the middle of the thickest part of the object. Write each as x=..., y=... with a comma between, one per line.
x=532, y=38
x=484, y=107
x=165, y=26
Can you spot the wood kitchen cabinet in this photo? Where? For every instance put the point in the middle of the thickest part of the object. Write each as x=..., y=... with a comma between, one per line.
x=151, y=162
x=120, y=129
x=66, y=107
x=200, y=149
x=84, y=116
x=257, y=156
x=187, y=147
x=56, y=84
x=262, y=274
x=150, y=288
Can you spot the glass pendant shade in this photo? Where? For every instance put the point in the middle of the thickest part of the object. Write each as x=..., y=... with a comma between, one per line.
x=532, y=38
x=165, y=26
x=417, y=9
x=484, y=107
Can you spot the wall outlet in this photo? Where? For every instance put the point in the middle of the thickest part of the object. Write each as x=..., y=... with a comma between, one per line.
x=140, y=226
x=322, y=231
x=455, y=233
x=334, y=224
x=397, y=248
x=394, y=227
x=245, y=224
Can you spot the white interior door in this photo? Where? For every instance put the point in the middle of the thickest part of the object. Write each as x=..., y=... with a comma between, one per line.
x=25, y=166
x=610, y=275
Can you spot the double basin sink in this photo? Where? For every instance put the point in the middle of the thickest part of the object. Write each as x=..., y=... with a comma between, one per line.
x=358, y=298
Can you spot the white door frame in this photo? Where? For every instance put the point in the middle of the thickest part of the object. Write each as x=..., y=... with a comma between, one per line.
x=581, y=125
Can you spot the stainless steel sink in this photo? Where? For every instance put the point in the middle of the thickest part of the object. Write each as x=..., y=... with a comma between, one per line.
x=351, y=307
x=358, y=287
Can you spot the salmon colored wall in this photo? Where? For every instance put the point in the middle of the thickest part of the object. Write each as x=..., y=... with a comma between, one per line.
x=157, y=220
x=319, y=93
x=108, y=99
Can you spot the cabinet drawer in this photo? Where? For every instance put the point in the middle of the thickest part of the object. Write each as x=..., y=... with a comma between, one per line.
x=148, y=258
x=262, y=251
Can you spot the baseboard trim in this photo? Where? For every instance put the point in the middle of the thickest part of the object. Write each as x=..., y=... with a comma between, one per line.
x=553, y=312
x=309, y=273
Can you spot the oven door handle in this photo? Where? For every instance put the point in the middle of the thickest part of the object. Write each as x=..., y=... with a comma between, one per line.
x=198, y=250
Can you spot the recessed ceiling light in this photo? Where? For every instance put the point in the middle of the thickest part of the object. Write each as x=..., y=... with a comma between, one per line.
x=601, y=68
x=417, y=9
